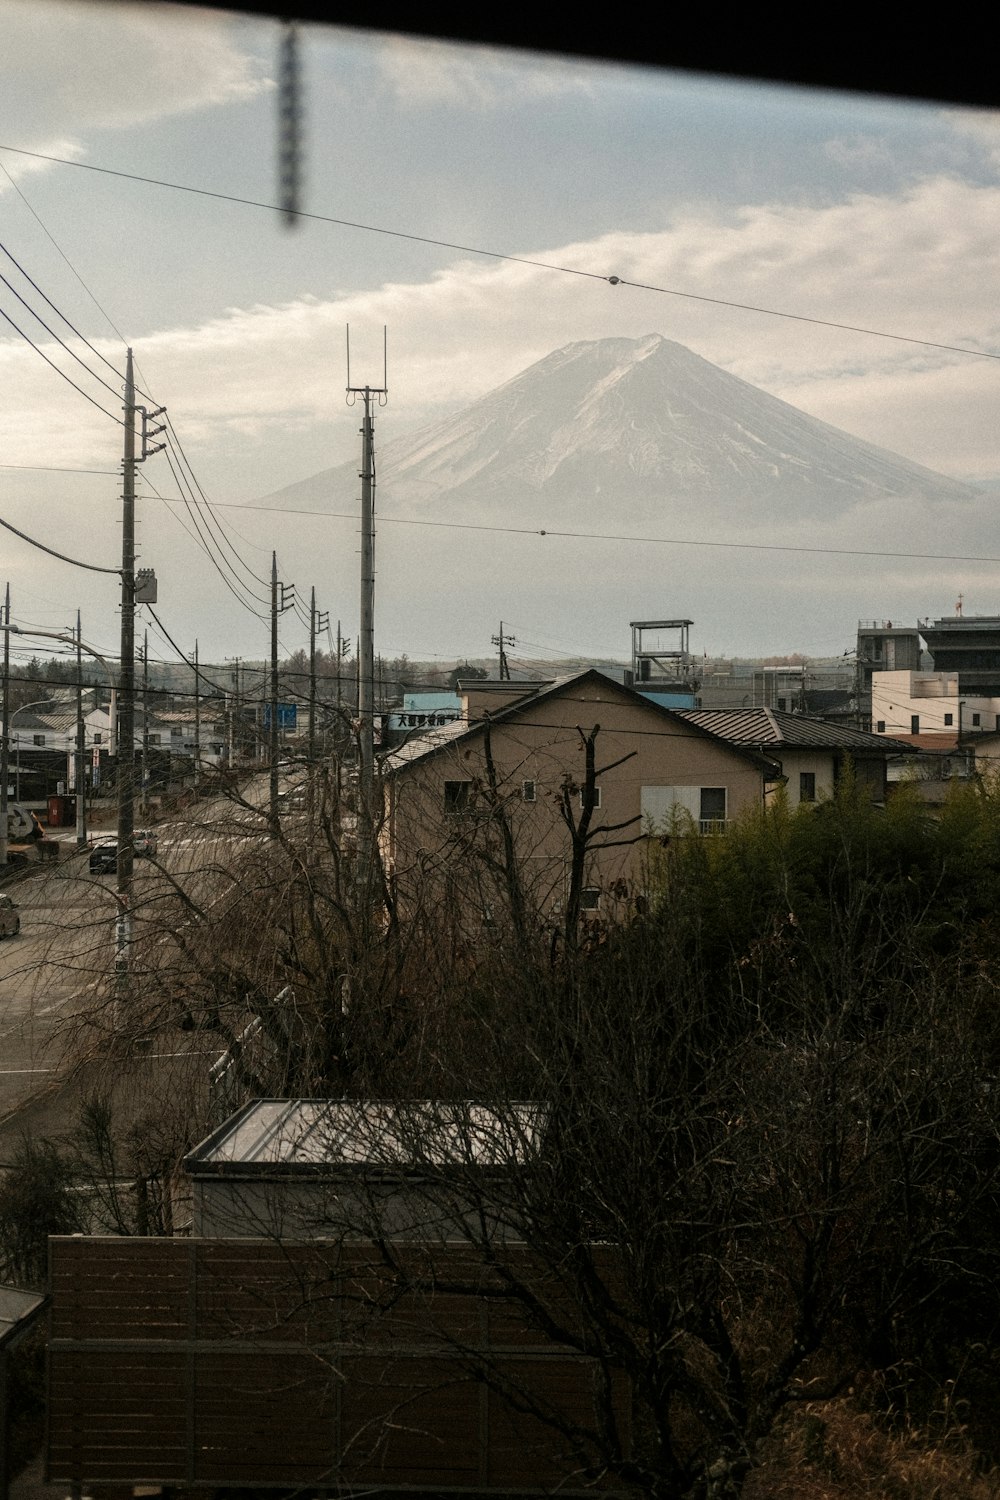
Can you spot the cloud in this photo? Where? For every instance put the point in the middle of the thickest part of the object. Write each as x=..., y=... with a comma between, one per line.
x=16, y=168
x=980, y=126
x=428, y=73
x=256, y=388
x=89, y=67
x=860, y=154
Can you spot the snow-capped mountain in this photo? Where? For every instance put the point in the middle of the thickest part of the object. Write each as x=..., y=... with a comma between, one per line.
x=636, y=429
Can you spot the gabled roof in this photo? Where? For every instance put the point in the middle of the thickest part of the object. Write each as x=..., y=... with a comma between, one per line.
x=427, y=744
x=773, y=729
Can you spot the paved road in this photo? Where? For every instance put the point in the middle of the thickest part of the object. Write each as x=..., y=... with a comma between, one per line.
x=55, y=998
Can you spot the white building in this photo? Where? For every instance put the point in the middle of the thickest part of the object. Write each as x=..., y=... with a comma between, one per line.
x=927, y=709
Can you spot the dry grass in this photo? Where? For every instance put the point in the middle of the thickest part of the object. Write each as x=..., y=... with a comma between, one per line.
x=836, y=1451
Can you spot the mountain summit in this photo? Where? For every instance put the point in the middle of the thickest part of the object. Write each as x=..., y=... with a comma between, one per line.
x=638, y=429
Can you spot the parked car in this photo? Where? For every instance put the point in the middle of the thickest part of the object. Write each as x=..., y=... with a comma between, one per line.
x=104, y=858
x=144, y=841
x=10, y=921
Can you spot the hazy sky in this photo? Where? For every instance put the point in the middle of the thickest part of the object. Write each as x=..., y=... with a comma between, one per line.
x=872, y=213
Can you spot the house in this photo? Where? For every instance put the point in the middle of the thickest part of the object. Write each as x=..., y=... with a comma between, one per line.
x=812, y=753
x=550, y=789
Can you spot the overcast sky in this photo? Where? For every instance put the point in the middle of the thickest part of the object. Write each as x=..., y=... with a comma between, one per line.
x=859, y=211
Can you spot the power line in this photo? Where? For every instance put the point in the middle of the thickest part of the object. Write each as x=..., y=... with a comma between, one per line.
x=52, y=240
x=205, y=537
x=234, y=584
x=91, y=567
x=521, y=260
x=57, y=469
x=29, y=340
x=197, y=670
x=82, y=337
x=609, y=536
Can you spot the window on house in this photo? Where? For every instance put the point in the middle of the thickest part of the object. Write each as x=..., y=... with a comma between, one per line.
x=38, y=739
x=914, y=723
x=527, y=791
x=456, y=796
x=662, y=808
x=782, y=704
x=976, y=720
x=597, y=796
x=949, y=719
x=712, y=813
x=98, y=739
x=154, y=739
x=590, y=898
x=807, y=786
x=880, y=727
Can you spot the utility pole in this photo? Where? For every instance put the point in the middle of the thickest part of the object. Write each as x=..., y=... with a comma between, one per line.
x=81, y=745
x=366, y=627
x=502, y=640
x=340, y=652
x=234, y=712
x=279, y=603
x=126, y=697
x=5, y=735
x=318, y=620
x=144, y=794
x=197, y=720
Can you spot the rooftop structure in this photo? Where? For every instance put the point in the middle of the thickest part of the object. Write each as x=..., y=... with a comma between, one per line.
x=968, y=645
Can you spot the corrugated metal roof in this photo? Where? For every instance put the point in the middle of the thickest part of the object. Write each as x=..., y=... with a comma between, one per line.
x=424, y=743
x=771, y=728
x=316, y=1133
x=432, y=741
x=17, y=1309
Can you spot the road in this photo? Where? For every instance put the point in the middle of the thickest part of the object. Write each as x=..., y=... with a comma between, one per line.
x=56, y=1001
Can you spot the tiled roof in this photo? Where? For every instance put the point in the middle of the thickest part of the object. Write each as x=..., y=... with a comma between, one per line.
x=773, y=729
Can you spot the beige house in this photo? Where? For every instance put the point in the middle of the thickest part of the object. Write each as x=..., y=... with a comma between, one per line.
x=812, y=753
x=548, y=793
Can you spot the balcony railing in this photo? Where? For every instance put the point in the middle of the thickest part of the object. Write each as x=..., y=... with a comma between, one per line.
x=711, y=825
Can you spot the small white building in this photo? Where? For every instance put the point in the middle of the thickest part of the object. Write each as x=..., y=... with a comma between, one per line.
x=927, y=709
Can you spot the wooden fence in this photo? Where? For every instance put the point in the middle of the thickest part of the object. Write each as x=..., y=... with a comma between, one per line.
x=218, y=1363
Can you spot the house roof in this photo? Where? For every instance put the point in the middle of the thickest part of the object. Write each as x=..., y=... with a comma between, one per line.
x=436, y=740
x=773, y=729
x=18, y=1308
x=290, y=1134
